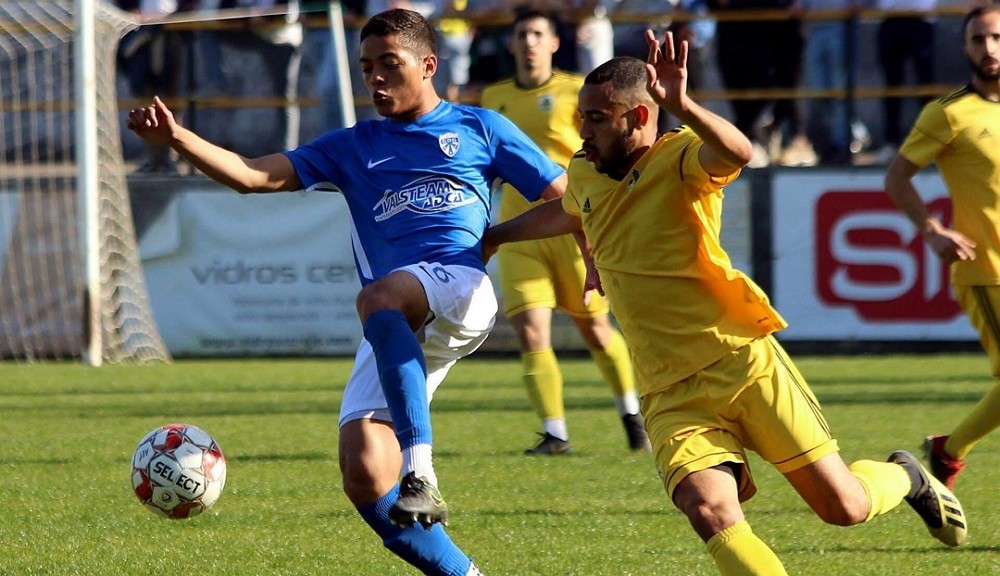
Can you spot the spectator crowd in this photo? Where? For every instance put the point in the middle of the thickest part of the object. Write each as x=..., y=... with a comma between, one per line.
x=785, y=72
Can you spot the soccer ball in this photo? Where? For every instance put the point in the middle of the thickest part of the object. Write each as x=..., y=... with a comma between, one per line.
x=178, y=471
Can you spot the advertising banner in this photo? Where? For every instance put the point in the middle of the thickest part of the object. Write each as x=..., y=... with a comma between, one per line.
x=848, y=265
x=270, y=274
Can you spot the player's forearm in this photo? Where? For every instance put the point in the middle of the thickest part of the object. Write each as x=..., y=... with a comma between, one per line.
x=224, y=166
x=581, y=241
x=543, y=221
x=899, y=187
x=730, y=149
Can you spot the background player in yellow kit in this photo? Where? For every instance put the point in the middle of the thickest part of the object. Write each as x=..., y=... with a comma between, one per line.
x=714, y=381
x=537, y=277
x=961, y=132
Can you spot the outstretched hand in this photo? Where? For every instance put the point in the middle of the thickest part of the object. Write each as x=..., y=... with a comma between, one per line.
x=154, y=123
x=951, y=246
x=667, y=72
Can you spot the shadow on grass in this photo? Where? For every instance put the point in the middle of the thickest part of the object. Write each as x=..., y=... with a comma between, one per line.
x=38, y=461
x=177, y=410
x=826, y=397
x=932, y=549
x=166, y=388
x=300, y=456
x=903, y=380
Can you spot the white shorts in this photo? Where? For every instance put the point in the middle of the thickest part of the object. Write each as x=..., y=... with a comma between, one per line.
x=463, y=308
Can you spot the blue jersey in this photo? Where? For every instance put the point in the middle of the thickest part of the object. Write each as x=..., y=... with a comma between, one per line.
x=420, y=191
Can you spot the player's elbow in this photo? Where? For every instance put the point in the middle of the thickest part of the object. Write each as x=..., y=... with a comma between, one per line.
x=261, y=185
x=245, y=189
x=252, y=189
x=899, y=172
x=743, y=153
x=570, y=224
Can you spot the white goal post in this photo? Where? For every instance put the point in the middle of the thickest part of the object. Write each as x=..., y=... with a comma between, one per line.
x=71, y=282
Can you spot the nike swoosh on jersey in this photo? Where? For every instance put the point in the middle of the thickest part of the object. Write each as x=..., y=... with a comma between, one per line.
x=372, y=164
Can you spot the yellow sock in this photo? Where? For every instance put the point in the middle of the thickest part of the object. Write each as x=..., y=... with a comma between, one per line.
x=983, y=419
x=885, y=483
x=615, y=365
x=544, y=383
x=737, y=551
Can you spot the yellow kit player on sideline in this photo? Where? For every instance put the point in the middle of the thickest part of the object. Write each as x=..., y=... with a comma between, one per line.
x=961, y=132
x=713, y=379
x=536, y=277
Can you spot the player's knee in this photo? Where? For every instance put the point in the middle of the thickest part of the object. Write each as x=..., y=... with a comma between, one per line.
x=843, y=510
x=532, y=338
x=404, y=296
x=371, y=299
x=357, y=484
x=369, y=460
x=597, y=335
x=595, y=342
x=709, y=517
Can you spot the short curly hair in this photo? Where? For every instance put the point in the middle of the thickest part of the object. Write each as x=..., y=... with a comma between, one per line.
x=412, y=30
x=627, y=76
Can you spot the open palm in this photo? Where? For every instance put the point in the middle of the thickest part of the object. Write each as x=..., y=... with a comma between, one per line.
x=667, y=70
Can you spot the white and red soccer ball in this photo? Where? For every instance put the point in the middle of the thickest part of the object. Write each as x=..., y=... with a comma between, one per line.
x=178, y=471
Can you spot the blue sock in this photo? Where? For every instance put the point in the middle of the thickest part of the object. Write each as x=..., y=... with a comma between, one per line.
x=431, y=551
x=402, y=372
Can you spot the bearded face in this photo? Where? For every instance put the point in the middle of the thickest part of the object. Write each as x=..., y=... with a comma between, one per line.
x=985, y=68
x=982, y=46
x=609, y=130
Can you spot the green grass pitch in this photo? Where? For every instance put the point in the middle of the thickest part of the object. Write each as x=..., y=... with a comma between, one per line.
x=67, y=433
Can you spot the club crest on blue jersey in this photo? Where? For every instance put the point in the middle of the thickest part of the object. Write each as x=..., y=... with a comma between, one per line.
x=426, y=195
x=449, y=143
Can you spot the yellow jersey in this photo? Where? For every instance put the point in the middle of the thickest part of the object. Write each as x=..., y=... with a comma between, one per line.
x=961, y=132
x=547, y=114
x=655, y=240
x=453, y=25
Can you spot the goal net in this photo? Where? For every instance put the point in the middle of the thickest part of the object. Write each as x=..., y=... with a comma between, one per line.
x=44, y=306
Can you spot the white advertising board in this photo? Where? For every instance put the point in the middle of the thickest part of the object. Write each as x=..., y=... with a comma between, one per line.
x=232, y=275
x=849, y=266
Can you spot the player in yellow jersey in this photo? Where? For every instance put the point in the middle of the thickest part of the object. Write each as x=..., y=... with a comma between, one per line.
x=714, y=381
x=537, y=277
x=961, y=132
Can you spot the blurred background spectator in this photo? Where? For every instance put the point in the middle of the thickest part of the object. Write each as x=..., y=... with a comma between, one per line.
x=632, y=17
x=319, y=40
x=903, y=40
x=210, y=79
x=278, y=40
x=453, y=49
x=148, y=57
x=699, y=31
x=826, y=68
x=764, y=54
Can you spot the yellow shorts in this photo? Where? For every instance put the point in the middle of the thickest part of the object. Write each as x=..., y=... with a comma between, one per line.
x=982, y=305
x=545, y=274
x=752, y=399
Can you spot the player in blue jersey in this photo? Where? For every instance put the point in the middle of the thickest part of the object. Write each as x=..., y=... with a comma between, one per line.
x=417, y=185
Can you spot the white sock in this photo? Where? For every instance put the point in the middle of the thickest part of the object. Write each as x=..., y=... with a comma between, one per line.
x=556, y=427
x=627, y=404
x=419, y=460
